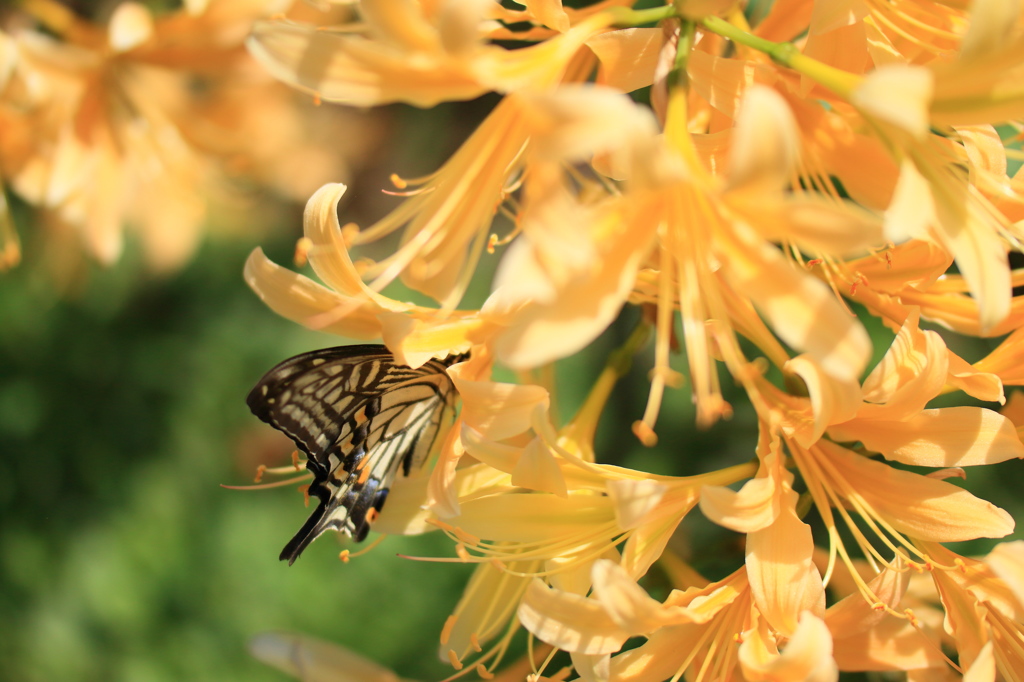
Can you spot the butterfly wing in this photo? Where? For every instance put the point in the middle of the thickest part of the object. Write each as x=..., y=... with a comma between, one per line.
x=360, y=418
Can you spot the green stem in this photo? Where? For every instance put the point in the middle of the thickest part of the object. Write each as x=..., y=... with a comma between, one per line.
x=787, y=54
x=625, y=17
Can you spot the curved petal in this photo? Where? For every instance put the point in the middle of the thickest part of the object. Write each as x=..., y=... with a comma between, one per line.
x=569, y=621
x=944, y=437
x=919, y=506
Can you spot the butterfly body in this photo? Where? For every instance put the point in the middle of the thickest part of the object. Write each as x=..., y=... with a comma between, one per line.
x=360, y=418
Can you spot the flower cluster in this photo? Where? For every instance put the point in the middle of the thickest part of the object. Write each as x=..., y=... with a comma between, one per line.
x=829, y=157
x=141, y=120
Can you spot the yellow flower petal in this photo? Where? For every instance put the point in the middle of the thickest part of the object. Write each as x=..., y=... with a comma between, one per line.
x=314, y=660
x=807, y=656
x=497, y=410
x=766, y=144
x=533, y=517
x=831, y=401
x=1007, y=561
x=983, y=669
x=300, y=299
x=992, y=24
x=634, y=500
x=898, y=94
x=537, y=469
x=911, y=373
x=628, y=57
x=569, y=621
x=802, y=311
x=753, y=507
x=943, y=437
x=131, y=25
x=629, y=606
x=916, y=505
x=854, y=614
x=783, y=578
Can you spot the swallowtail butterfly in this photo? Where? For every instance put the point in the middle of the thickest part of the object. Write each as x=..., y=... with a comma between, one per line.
x=359, y=417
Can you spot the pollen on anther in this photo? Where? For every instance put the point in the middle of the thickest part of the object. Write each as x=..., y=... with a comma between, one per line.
x=302, y=247
x=397, y=181
x=449, y=625
x=349, y=232
x=645, y=434
x=304, y=489
x=483, y=672
x=344, y=555
x=454, y=659
x=492, y=241
x=260, y=470
x=462, y=553
x=295, y=460
x=316, y=99
x=475, y=643
x=372, y=515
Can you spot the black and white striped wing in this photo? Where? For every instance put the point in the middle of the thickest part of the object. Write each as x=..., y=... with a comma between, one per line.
x=359, y=418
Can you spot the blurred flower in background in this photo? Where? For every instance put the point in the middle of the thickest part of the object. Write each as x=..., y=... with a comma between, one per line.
x=773, y=198
x=154, y=123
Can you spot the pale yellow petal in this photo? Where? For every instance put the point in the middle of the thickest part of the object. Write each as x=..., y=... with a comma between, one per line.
x=300, y=299
x=897, y=94
x=1007, y=561
x=406, y=512
x=831, y=401
x=802, y=310
x=892, y=644
x=533, y=517
x=722, y=81
x=495, y=455
x=582, y=307
x=911, y=373
x=487, y=605
x=912, y=208
x=921, y=507
x=766, y=144
x=569, y=621
x=537, y=469
x=634, y=500
x=628, y=605
x=817, y=225
x=983, y=669
x=977, y=384
x=753, y=507
x=628, y=57
x=328, y=254
x=807, y=656
x=131, y=25
x=992, y=24
x=497, y=410
x=660, y=657
x=549, y=13
x=942, y=437
x=783, y=578
x=352, y=70
x=578, y=121
x=590, y=667
x=315, y=660
x=828, y=16
x=855, y=614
